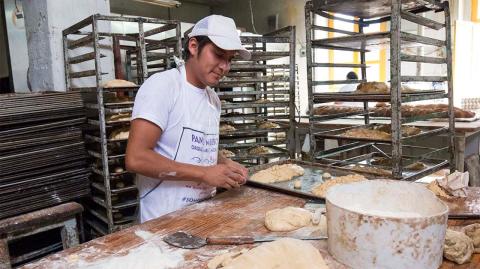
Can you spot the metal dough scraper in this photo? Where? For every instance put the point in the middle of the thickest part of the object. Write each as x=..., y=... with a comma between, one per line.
x=185, y=240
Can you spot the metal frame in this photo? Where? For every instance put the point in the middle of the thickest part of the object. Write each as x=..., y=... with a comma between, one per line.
x=258, y=79
x=393, y=11
x=143, y=52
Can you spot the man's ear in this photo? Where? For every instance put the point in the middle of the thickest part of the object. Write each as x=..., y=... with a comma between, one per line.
x=193, y=46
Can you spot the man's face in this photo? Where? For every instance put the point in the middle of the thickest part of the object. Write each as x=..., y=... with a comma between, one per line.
x=212, y=63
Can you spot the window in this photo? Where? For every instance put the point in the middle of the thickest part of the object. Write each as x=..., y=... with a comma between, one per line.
x=376, y=60
x=475, y=11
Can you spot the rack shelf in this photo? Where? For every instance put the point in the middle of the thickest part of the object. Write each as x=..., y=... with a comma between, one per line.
x=89, y=46
x=365, y=13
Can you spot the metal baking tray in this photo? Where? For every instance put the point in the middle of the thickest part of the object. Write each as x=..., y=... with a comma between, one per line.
x=346, y=156
x=365, y=97
x=336, y=133
x=312, y=177
x=366, y=8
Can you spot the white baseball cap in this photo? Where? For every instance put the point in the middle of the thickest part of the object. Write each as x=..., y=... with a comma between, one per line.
x=222, y=32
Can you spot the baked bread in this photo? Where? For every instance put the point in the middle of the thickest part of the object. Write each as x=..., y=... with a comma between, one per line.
x=268, y=125
x=370, y=170
x=118, y=117
x=227, y=153
x=224, y=128
x=372, y=87
x=120, y=133
x=366, y=133
x=259, y=150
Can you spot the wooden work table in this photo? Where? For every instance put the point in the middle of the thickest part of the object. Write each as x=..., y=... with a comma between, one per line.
x=236, y=212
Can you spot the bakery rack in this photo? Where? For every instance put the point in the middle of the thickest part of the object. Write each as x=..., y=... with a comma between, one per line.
x=261, y=90
x=96, y=50
x=363, y=14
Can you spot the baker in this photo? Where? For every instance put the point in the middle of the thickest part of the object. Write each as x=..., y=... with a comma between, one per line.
x=173, y=140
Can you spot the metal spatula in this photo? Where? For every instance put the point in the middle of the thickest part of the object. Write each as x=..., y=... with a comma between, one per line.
x=185, y=240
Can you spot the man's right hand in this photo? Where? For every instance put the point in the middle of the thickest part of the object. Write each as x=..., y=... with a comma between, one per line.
x=224, y=176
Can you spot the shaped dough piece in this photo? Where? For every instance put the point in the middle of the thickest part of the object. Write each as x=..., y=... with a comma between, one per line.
x=321, y=189
x=278, y=173
x=118, y=83
x=473, y=231
x=287, y=219
x=458, y=247
x=285, y=253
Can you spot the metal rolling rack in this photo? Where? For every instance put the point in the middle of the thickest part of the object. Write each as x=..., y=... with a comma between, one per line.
x=261, y=89
x=365, y=13
x=146, y=50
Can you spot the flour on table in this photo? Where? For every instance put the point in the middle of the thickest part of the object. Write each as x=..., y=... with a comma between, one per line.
x=146, y=256
x=144, y=234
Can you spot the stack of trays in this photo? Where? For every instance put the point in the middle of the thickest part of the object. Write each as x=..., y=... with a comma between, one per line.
x=43, y=160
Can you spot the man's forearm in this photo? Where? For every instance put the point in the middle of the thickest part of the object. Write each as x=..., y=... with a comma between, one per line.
x=154, y=165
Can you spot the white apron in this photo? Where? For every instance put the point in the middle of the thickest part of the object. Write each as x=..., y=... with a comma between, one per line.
x=197, y=145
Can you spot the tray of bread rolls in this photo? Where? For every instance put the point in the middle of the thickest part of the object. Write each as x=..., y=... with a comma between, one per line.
x=230, y=130
x=302, y=179
x=378, y=91
x=376, y=132
x=254, y=152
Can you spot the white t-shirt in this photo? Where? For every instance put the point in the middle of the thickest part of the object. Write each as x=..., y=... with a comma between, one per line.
x=189, y=118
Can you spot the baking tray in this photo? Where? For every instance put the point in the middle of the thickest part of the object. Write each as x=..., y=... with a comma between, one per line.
x=311, y=178
x=349, y=154
x=336, y=133
x=465, y=208
x=365, y=97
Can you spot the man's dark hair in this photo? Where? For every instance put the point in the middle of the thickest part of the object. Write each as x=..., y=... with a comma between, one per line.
x=202, y=41
x=352, y=75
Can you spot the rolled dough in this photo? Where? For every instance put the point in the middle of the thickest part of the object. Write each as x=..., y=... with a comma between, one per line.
x=321, y=189
x=287, y=219
x=285, y=253
x=278, y=173
x=473, y=231
x=458, y=247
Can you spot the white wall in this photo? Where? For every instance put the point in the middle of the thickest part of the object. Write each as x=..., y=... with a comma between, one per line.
x=45, y=21
x=187, y=12
x=4, y=72
x=17, y=42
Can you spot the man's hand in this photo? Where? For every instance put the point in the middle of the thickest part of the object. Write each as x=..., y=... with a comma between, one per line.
x=235, y=165
x=227, y=176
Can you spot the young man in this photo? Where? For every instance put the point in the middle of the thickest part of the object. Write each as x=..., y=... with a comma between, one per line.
x=173, y=142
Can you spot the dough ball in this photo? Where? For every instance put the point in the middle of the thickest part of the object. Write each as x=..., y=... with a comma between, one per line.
x=297, y=184
x=473, y=231
x=458, y=247
x=224, y=259
x=285, y=253
x=287, y=219
x=118, y=169
x=326, y=176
